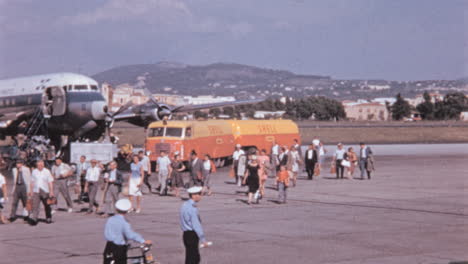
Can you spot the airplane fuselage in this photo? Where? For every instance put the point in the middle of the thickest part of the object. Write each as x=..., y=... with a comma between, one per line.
x=73, y=104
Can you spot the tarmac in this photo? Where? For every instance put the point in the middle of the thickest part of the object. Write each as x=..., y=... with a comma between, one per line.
x=413, y=210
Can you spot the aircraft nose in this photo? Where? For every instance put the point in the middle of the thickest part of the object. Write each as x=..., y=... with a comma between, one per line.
x=98, y=110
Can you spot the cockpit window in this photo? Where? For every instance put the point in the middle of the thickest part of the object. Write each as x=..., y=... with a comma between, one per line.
x=80, y=87
x=156, y=132
x=94, y=87
x=173, y=132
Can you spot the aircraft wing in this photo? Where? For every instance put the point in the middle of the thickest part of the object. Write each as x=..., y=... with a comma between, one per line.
x=11, y=120
x=143, y=114
x=190, y=108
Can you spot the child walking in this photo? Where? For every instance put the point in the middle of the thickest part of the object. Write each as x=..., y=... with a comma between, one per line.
x=282, y=178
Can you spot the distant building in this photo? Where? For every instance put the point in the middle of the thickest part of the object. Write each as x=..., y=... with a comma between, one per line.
x=125, y=93
x=171, y=99
x=366, y=111
x=383, y=100
x=464, y=116
x=107, y=92
x=208, y=99
x=420, y=98
x=266, y=114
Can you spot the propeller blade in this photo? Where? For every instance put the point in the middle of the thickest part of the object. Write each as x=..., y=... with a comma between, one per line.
x=150, y=96
x=122, y=108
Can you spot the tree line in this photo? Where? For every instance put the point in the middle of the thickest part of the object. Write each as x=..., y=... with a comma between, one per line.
x=449, y=108
x=318, y=108
x=326, y=109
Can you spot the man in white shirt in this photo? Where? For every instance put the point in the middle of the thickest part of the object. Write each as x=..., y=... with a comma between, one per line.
x=163, y=168
x=113, y=179
x=310, y=161
x=145, y=161
x=235, y=157
x=91, y=187
x=275, y=151
x=338, y=158
x=61, y=171
x=41, y=189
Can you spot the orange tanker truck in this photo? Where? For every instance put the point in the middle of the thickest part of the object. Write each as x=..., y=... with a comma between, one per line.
x=217, y=137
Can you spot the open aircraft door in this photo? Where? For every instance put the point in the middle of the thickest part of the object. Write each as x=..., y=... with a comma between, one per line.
x=54, y=101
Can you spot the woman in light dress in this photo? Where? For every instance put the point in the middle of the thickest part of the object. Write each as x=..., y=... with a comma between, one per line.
x=264, y=162
x=135, y=181
x=352, y=158
x=294, y=160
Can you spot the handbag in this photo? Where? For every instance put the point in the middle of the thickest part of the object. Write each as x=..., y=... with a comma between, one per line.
x=345, y=163
x=333, y=168
x=52, y=200
x=257, y=195
x=29, y=205
x=316, y=170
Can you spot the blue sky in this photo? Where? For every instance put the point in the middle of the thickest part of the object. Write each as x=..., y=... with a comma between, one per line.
x=375, y=39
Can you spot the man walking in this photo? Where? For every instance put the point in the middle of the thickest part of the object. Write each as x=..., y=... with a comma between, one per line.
x=190, y=224
x=275, y=151
x=91, y=187
x=117, y=233
x=41, y=189
x=113, y=180
x=81, y=169
x=338, y=158
x=196, y=169
x=21, y=188
x=145, y=161
x=235, y=162
x=163, y=168
x=310, y=161
x=366, y=161
x=61, y=171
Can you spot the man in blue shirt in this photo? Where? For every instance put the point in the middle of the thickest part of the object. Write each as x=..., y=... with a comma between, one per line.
x=191, y=225
x=117, y=233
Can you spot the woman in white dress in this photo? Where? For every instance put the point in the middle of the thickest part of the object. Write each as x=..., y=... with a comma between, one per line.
x=135, y=181
x=294, y=161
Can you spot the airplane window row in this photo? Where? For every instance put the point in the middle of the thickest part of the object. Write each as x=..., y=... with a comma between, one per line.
x=12, y=101
x=73, y=88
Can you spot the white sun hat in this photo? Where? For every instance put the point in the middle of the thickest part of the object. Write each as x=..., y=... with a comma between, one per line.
x=123, y=205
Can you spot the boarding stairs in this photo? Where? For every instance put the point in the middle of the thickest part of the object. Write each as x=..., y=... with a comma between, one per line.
x=37, y=122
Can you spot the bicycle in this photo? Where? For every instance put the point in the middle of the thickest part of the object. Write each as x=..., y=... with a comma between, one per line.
x=144, y=256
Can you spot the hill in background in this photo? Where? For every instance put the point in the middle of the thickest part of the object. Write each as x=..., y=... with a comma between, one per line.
x=243, y=81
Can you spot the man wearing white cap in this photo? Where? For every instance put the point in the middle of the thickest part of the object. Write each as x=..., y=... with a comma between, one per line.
x=117, y=233
x=190, y=223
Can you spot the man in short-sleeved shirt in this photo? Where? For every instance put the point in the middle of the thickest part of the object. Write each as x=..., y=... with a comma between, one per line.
x=163, y=167
x=42, y=188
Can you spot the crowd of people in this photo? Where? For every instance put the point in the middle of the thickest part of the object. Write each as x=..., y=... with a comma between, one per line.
x=129, y=173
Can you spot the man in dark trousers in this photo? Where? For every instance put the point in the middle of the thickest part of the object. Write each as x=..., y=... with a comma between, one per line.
x=21, y=188
x=310, y=161
x=117, y=233
x=190, y=224
x=366, y=161
x=196, y=168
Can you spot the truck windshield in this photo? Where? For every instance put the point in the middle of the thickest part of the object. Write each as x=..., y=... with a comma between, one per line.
x=156, y=132
x=173, y=132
